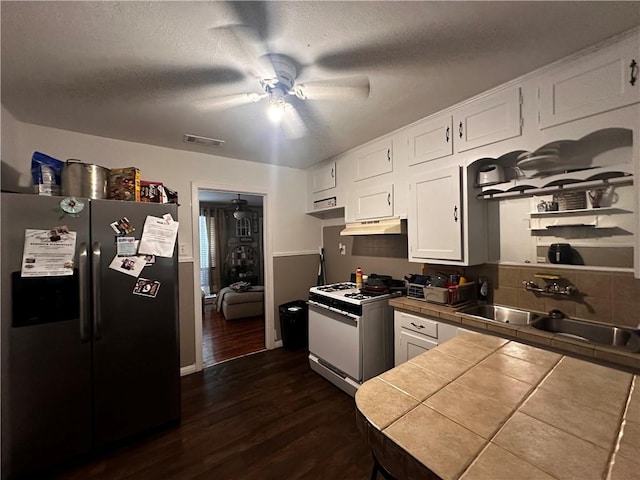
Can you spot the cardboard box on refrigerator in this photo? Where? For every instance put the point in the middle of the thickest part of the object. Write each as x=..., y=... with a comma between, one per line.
x=152, y=192
x=124, y=184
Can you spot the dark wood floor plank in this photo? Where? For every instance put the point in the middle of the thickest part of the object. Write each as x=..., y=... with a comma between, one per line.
x=224, y=339
x=263, y=416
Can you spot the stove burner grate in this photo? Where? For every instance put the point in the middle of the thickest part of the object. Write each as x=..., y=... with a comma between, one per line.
x=336, y=287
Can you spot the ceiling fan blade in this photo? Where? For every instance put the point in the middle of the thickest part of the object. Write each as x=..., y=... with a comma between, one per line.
x=254, y=49
x=340, y=88
x=292, y=123
x=229, y=101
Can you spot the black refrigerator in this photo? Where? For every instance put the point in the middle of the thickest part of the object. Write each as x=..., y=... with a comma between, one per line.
x=90, y=357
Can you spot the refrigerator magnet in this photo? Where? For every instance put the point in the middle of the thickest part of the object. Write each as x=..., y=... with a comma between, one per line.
x=122, y=226
x=126, y=246
x=146, y=288
x=71, y=205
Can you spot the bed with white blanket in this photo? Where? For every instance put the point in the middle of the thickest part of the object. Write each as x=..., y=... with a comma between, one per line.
x=241, y=303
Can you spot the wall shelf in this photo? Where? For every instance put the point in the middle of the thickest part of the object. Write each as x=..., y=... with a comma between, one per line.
x=582, y=211
x=518, y=189
x=327, y=213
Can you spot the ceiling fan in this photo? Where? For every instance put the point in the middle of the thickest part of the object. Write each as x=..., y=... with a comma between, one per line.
x=238, y=205
x=276, y=75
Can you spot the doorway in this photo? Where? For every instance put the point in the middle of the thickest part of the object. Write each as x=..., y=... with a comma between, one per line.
x=232, y=270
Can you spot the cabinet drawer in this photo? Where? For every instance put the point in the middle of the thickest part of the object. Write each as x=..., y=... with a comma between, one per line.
x=416, y=324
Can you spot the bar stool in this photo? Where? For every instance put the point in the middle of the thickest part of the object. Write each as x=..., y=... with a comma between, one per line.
x=378, y=468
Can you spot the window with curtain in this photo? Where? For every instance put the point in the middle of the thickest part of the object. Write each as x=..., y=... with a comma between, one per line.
x=207, y=249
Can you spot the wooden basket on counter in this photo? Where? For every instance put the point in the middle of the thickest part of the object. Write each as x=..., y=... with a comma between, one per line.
x=455, y=295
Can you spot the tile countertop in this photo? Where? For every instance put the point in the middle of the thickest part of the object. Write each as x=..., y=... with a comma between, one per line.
x=504, y=411
x=605, y=355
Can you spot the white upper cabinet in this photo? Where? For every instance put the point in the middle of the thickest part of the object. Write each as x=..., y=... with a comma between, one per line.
x=435, y=216
x=430, y=139
x=323, y=178
x=372, y=202
x=599, y=82
x=488, y=120
x=374, y=159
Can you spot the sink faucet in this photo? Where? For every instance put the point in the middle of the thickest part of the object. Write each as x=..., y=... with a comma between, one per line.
x=551, y=287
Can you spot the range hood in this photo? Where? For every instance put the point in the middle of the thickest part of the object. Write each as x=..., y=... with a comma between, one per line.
x=376, y=227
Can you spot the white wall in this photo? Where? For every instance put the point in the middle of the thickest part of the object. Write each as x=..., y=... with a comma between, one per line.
x=292, y=230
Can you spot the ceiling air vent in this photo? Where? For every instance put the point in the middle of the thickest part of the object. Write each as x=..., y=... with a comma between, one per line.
x=209, y=142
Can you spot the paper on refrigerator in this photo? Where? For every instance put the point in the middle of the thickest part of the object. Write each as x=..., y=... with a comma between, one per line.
x=48, y=253
x=128, y=265
x=158, y=236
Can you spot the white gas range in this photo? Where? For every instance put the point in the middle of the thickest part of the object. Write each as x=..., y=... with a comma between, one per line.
x=350, y=334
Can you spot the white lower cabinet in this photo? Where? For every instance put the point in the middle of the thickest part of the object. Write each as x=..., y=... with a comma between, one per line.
x=414, y=335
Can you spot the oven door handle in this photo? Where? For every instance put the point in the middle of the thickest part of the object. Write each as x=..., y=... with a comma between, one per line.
x=334, y=310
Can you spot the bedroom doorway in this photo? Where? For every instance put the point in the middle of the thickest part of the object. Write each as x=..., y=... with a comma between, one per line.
x=231, y=275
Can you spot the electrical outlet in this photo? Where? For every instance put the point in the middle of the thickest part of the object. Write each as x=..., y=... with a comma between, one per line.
x=343, y=248
x=182, y=248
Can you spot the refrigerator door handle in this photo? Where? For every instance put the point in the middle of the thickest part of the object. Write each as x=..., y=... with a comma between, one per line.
x=83, y=283
x=95, y=272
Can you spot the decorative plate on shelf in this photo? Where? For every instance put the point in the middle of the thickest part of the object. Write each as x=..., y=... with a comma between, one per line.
x=542, y=161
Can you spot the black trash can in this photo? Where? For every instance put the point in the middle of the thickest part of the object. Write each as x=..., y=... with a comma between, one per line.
x=294, y=324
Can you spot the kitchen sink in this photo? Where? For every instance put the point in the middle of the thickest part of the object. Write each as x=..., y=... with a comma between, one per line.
x=590, y=332
x=499, y=313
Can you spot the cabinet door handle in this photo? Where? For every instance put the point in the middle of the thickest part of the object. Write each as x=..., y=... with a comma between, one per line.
x=332, y=173
x=460, y=129
x=388, y=154
x=455, y=214
x=446, y=135
x=417, y=326
x=634, y=72
x=389, y=199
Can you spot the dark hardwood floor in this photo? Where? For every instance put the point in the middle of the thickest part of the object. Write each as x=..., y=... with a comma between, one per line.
x=225, y=339
x=263, y=416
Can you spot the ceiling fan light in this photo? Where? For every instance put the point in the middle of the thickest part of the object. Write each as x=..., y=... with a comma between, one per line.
x=275, y=111
x=239, y=214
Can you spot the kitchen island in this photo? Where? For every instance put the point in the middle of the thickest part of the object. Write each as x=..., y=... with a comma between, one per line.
x=483, y=407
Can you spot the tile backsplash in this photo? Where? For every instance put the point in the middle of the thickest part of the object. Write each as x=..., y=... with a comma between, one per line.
x=610, y=297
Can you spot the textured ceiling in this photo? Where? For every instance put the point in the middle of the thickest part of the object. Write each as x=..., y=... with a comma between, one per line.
x=143, y=71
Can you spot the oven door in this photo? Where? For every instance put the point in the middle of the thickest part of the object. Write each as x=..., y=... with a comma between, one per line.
x=335, y=339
